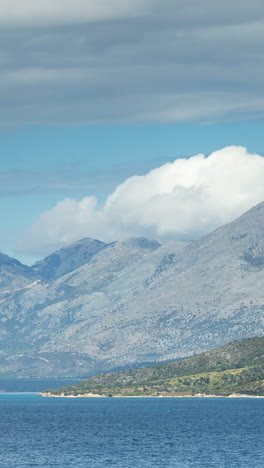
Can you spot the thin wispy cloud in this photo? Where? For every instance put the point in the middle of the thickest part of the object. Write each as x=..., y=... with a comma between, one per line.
x=69, y=180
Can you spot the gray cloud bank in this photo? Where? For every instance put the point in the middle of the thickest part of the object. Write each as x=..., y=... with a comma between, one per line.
x=66, y=62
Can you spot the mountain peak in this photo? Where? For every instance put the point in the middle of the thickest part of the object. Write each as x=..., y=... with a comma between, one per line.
x=68, y=258
x=13, y=274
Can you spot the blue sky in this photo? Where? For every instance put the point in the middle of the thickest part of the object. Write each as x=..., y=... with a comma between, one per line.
x=94, y=93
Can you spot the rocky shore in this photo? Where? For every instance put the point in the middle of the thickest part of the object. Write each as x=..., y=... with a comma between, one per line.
x=167, y=395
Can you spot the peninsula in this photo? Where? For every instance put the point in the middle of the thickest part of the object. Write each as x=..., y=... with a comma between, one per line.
x=235, y=370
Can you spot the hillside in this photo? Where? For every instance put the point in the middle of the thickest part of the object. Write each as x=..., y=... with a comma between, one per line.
x=14, y=275
x=68, y=259
x=92, y=307
x=237, y=367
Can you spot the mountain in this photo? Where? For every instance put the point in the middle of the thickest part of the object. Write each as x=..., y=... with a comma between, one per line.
x=136, y=301
x=14, y=275
x=41, y=326
x=68, y=259
x=237, y=367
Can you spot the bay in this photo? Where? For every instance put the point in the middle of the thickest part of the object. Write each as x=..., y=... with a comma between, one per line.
x=130, y=432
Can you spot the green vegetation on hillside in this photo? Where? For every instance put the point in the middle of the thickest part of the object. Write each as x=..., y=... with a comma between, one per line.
x=237, y=367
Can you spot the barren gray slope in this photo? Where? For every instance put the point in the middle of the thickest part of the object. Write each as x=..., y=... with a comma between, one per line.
x=68, y=258
x=14, y=274
x=204, y=295
x=211, y=294
x=138, y=301
x=42, y=314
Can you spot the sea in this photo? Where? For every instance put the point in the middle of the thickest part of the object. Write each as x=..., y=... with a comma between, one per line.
x=130, y=432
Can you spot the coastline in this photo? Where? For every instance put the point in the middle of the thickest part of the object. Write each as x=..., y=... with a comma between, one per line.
x=198, y=395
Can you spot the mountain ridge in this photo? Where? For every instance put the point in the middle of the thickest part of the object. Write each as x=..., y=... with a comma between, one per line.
x=68, y=258
x=14, y=274
x=139, y=301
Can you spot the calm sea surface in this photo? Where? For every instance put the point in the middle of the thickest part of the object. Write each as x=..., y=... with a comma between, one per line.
x=130, y=433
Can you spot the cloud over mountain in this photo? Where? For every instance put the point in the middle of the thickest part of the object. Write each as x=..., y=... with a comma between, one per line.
x=181, y=200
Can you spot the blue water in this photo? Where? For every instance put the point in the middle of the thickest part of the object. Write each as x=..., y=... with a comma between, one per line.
x=130, y=433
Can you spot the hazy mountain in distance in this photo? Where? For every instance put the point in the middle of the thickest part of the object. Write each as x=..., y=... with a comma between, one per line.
x=109, y=265
x=140, y=301
x=45, y=311
x=68, y=258
x=13, y=274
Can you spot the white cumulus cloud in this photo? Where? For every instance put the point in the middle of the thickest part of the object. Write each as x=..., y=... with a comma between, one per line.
x=182, y=200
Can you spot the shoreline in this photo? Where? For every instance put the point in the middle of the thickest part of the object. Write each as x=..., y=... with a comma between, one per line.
x=198, y=395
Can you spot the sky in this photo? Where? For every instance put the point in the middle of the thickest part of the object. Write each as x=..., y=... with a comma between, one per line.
x=121, y=118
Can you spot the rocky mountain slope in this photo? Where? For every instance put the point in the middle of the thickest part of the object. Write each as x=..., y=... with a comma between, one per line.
x=135, y=301
x=237, y=367
x=14, y=275
x=68, y=259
